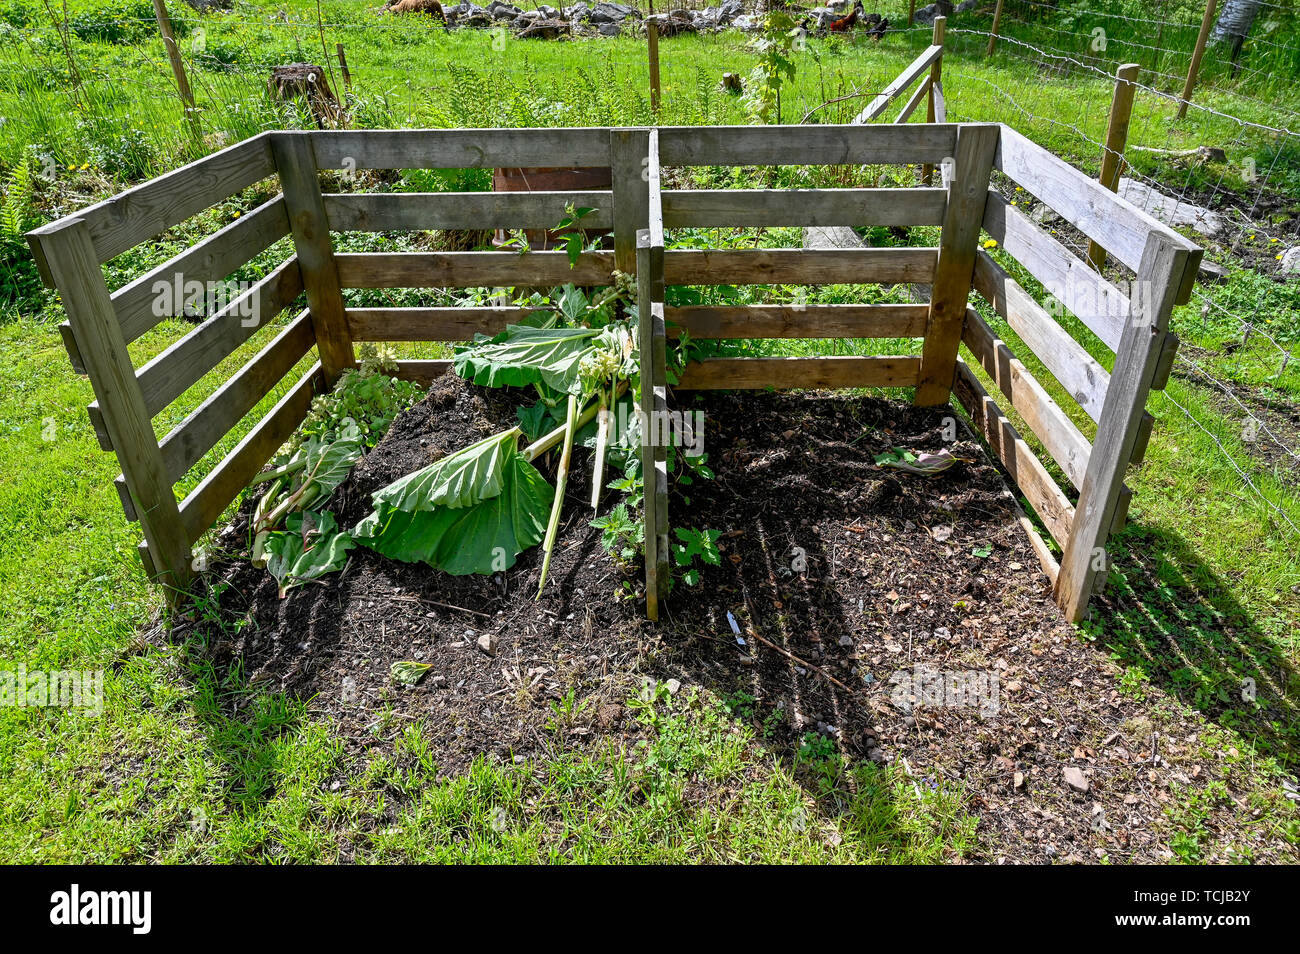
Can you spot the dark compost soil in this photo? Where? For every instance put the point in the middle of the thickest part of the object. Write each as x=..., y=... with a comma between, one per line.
x=857, y=574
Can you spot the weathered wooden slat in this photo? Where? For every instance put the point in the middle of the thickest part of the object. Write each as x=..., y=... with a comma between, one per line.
x=835, y=145
x=1094, y=300
x=1160, y=275
x=1063, y=440
x=431, y=324
x=300, y=180
x=901, y=82
x=460, y=148
x=918, y=95
x=397, y=211
x=470, y=269
x=160, y=293
x=423, y=371
x=886, y=371
x=140, y=213
x=212, y=420
x=771, y=208
x=213, y=495
x=173, y=371
x=798, y=321
x=1116, y=225
x=75, y=268
x=1066, y=359
x=802, y=266
x=1027, y=471
x=958, y=242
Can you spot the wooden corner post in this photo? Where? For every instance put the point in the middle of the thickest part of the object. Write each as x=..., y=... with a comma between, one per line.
x=639, y=249
x=295, y=159
x=968, y=191
x=75, y=272
x=1160, y=276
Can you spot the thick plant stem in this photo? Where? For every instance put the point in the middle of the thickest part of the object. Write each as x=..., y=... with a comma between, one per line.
x=602, y=442
x=290, y=468
x=561, y=481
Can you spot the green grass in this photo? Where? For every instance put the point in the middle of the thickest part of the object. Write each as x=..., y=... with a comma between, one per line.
x=1207, y=590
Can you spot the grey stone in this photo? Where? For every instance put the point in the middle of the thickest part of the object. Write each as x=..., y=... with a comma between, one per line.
x=1075, y=778
x=1169, y=210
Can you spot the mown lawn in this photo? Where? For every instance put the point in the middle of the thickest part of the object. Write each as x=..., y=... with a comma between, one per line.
x=1208, y=593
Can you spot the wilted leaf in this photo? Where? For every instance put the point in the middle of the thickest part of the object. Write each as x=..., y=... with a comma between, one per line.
x=470, y=475
x=408, y=673
x=310, y=546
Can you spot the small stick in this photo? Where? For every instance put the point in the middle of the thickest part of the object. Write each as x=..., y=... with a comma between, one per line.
x=801, y=662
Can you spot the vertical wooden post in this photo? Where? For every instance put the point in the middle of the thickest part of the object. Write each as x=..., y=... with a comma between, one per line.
x=631, y=175
x=1206, y=22
x=911, y=11
x=343, y=65
x=74, y=270
x=993, y=33
x=936, y=74
x=967, y=193
x=299, y=178
x=1112, y=154
x=178, y=67
x=1160, y=275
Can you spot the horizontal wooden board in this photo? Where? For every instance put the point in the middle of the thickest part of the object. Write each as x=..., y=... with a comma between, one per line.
x=470, y=269
x=799, y=266
x=835, y=145
x=140, y=303
x=1026, y=470
x=1095, y=301
x=430, y=324
x=459, y=148
x=772, y=208
x=422, y=371
x=1067, y=360
x=168, y=375
x=397, y=211
x=213, y=495
x=1116, y=225
x=714, y=374
x=798, y=321
x=1063, y=440
x=193, y=437
x=140, y=213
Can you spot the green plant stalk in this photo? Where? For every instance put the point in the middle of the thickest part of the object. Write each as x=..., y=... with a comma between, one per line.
x=262, y=534
x=602, y=442
x=561, y=481
x=292, y=467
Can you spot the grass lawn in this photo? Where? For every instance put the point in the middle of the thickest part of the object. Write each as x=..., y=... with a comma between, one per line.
x=190, y=764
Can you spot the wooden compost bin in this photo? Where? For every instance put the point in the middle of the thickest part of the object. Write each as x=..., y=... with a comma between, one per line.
x=1133, y=323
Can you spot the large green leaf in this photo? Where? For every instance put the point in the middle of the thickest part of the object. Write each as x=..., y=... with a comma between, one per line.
x=310, y=546
x=482, y=538
x=522, y=356
x=470, y=475
x=330, y=462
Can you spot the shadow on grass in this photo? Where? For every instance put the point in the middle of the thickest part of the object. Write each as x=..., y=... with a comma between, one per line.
x=1166, y=614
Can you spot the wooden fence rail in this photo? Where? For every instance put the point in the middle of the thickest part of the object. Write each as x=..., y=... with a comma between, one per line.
x=318, y=334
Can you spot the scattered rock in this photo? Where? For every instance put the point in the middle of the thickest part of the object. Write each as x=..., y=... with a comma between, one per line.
x=1075, y=778
x=1173, y=212
x=488, y=643
x=1291, y=260
x=1211, y=272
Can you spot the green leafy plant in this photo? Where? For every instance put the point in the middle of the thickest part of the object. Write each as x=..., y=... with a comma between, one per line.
x=695, y=545
x=775, y=68
x=622, y=535
x=310, y=546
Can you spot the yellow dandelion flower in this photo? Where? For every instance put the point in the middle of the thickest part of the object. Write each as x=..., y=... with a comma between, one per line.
x=1250, y=238
x=1014, y=202
x=990, y=243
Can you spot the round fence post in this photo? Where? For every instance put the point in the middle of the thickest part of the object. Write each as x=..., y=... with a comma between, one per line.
x=1112, y=154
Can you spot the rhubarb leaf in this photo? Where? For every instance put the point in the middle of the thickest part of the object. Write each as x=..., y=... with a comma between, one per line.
x=467, y=477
